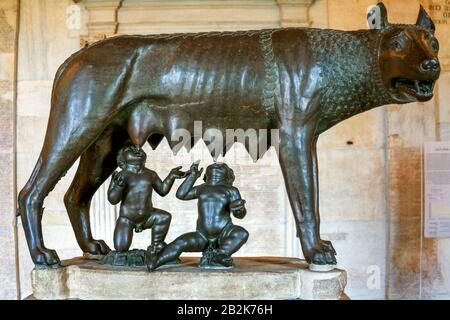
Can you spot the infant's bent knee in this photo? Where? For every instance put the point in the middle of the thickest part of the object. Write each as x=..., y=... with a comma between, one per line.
x=163, y=217
x=241, y=233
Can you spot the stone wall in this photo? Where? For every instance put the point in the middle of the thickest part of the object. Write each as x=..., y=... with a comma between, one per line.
x=370, y=165
x=8, y=46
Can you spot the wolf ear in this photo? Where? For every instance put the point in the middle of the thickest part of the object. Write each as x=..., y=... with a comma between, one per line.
x=425, y=21
x=377, y=17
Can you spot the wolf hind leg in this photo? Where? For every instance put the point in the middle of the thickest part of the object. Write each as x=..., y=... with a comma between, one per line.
x=96, y=165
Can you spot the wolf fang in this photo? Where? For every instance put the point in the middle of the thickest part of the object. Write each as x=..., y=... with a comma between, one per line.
x=194, y=310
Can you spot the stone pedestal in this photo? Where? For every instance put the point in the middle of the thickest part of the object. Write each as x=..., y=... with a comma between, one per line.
x=252, y=278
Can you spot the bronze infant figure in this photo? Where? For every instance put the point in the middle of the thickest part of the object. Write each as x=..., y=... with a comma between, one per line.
x=216, y=236
x=300, y=81
x=133, y=187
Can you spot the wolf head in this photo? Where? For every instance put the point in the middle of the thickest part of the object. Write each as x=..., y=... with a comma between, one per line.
x=407, y=56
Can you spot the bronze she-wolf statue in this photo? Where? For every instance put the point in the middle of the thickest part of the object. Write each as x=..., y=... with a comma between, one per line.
x=134, y=89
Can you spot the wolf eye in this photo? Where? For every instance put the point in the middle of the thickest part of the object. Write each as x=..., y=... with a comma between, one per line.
x=397, y=45
x=434, y=45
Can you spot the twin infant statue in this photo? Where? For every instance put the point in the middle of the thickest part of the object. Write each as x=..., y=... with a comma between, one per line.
x=216, y=236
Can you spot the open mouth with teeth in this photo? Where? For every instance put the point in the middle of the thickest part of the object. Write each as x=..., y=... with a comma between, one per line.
x=420, y=89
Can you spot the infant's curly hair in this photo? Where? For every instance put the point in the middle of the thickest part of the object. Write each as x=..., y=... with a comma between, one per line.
x=229, y=177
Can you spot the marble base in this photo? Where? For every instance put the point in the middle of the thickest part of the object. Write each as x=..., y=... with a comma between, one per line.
x=251, y=278
x=321, y=268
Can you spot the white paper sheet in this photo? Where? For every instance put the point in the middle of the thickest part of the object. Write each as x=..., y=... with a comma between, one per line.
x=437, y=189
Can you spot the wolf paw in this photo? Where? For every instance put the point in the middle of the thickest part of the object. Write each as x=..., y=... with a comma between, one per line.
x=323, y=255
x=96, y=248
x=45, y=258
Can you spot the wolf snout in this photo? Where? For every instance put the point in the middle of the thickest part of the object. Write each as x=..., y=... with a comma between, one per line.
x=430, y=65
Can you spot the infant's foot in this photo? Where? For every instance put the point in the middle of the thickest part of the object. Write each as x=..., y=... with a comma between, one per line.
x=219, y=261
x=223, y=260
x=157, y=247
x=151, y=259
x=153, y=254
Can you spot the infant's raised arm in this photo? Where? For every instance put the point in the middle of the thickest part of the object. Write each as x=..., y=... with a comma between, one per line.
x=116, y=187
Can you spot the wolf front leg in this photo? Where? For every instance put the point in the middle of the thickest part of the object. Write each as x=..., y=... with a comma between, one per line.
x=299, y=165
